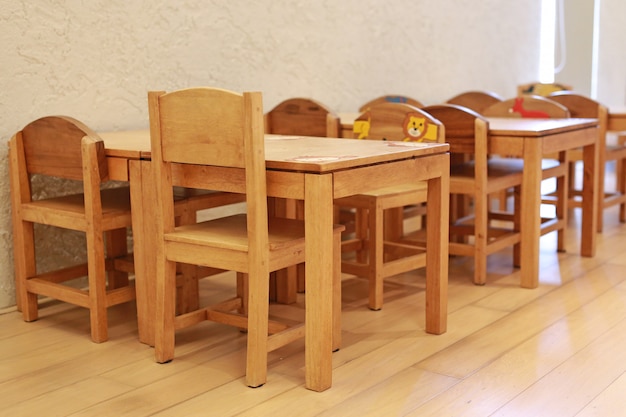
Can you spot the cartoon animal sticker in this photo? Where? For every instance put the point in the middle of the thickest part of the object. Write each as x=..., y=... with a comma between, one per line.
x=418, y=129
x=518, y=107
x=361, y=126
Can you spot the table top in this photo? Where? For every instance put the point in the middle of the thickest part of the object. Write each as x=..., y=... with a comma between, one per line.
x=512, y=126
x=331, y=154
x=134, y=144
x=295, y=153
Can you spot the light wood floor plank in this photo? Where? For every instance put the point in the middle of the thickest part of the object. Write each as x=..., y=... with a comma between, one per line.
x=610, y=402
x=574, y=383
x=554, y=350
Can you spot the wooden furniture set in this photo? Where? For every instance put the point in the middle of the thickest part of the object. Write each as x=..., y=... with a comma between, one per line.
x=214, y=139
x=313, y=170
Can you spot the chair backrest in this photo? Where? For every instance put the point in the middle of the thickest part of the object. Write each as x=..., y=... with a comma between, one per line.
x=527, y=107
x=390, y=98
x=198, y=128
x=398, y=122
x=52, y=146
x=579, y=105
x=302, y=116
x=541, y=89
x=61, y=147
x=583, y=107
x=466, y=133
x=476, y=100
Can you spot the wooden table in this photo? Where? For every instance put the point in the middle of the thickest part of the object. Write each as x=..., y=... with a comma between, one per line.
x=316, y=170
x=530, y=139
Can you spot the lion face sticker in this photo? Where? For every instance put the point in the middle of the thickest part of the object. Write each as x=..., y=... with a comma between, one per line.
x=418, y=129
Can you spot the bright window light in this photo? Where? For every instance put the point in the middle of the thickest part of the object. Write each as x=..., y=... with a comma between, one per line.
x=594, y=58
x=547, y=38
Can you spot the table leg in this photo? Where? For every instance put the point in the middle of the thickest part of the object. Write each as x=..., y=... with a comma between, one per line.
x=437, y=227
x=139, y=176
x=318, y=208
x=590, y=194
x=530, y=214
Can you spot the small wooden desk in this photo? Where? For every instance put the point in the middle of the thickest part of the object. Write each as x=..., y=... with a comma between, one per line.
x=316, y=170
x=530, y=139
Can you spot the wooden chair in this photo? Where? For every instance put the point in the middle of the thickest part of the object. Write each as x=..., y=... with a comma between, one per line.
x=213, y=139
x=541, y=89
x=379, y=246
x=64, y=148
x=477, y=101
x=527, y=106
x=554, y=166
x=585, y=107
x=390, y=98
x=302, y=117
x=483, y=232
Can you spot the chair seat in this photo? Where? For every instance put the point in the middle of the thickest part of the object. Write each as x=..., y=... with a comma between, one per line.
x=231, y=232
x=115, y=203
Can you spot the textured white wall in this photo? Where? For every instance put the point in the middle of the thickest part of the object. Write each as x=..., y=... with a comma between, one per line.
x=95, y=60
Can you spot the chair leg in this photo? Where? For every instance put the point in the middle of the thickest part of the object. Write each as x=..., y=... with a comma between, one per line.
x=361, y=231
x=258, y=316
x=97, y=286
x=242, y=292
x=116, y=246
x=165, y=311
x=393, y=224
x=337, y=292
x=188, y=295
x=562, y=201
x=188, y=298
x=481, y=203
x=286, y=283
x=517, y=221
x=620, y=184
x=601, y=192
x=25, y=266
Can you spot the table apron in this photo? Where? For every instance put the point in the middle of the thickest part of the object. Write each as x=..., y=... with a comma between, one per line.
x=118, y=168
x=514, y=145
x=359, y=180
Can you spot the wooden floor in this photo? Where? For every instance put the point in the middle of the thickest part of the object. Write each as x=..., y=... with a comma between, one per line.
x=558, y=350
